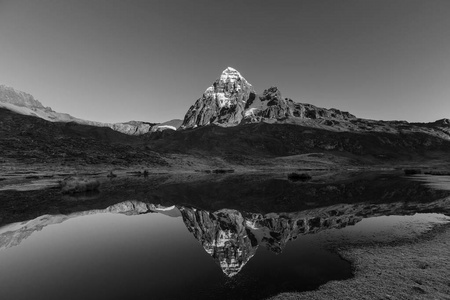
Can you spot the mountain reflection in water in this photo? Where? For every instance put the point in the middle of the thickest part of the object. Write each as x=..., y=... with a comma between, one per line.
x=232, y=238
x=238, y=236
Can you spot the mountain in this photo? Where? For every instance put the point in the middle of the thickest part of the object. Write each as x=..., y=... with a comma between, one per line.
x=229, y=126
x=233, y=122
x=25, y=104
x=232, y=101
x=222, y=103
x=18, y=98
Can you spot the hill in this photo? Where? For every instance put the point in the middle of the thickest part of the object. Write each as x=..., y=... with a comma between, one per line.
x=29, y=139
x=245, y=143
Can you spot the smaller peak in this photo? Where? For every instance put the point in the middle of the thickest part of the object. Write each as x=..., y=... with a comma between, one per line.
x=272, y=91
x=442, y=122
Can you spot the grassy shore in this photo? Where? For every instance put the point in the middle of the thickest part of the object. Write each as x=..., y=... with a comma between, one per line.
x=414, y=269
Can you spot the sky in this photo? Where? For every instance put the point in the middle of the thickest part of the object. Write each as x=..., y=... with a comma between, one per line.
x=116, y=61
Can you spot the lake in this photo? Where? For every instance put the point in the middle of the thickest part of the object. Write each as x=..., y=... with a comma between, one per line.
x=204, y=236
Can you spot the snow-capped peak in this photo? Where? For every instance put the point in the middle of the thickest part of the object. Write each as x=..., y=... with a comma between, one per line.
x=230, y=74
x=229, y=88
x=230, y=70
x=230, y=91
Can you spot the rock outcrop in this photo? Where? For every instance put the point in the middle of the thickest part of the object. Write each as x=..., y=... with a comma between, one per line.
x=271, y=106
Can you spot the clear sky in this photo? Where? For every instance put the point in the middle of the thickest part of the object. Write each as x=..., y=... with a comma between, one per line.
x=115, y=61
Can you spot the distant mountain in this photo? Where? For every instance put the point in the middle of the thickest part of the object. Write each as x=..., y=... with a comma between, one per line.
x=25, y=104
x=18, y=98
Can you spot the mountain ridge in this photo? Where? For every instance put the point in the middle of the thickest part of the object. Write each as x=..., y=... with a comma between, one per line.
x=230, y=126
x=230, y=101
x=25, y=104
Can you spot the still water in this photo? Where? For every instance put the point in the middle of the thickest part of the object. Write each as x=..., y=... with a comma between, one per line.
x=135, y=249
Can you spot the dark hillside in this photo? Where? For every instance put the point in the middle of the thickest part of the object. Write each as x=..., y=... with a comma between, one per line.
x=34, y=140
x=269, y=140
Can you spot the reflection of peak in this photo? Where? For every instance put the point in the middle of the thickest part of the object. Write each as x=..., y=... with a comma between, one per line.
x=224, y=236
x=232, y=239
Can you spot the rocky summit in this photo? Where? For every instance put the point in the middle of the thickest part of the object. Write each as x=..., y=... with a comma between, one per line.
x=223, y=103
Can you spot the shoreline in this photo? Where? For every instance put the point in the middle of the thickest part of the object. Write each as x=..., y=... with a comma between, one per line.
x=417, y=268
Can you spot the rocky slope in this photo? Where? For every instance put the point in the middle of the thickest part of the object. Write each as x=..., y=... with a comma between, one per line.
x=25, y=104
x=271, y=106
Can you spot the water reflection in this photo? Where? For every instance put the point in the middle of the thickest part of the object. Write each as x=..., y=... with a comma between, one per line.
x=266, y=236
x=138, y=244
x=232, y=237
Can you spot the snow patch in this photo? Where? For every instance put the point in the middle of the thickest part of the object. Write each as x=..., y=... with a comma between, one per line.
x=166, y=127
x=165, y=208
x=250, y=112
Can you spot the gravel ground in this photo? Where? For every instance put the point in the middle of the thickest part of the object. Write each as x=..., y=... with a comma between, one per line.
x=414, y=269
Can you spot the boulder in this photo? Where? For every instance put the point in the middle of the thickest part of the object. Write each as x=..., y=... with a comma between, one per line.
x=77, y=184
